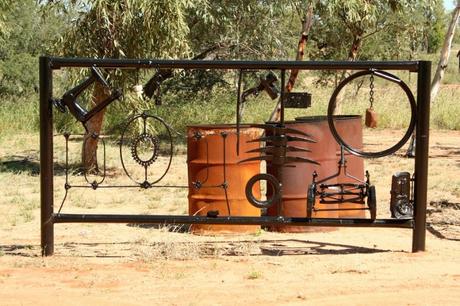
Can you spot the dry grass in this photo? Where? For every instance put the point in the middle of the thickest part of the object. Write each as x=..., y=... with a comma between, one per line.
x=19, y=204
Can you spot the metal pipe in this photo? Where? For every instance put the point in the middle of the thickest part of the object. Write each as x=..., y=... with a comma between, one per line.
x=46, y=157
x=421, y=155
x=58, y=62
x=264, y=220
x=282, y=94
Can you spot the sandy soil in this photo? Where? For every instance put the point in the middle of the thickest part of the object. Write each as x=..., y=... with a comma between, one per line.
x=103, y=264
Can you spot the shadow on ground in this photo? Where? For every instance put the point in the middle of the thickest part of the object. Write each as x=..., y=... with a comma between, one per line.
x=20, y=164
x=275, y=247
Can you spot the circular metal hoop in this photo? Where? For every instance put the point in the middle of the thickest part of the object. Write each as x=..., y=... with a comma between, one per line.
x=273, y=181
x=387, y=76
x=147, y=163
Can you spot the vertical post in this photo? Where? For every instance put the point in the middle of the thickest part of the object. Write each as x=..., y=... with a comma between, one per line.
x=283, y=82
x=279, y=167
x=421, y=155
x=46, y=157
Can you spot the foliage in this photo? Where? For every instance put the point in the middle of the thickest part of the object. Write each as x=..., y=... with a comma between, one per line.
x=30, y=35
x=117, y=29
x=4, y=6
x=245, y=29
x=434, y=26
x=127, y=29
x=343, y=26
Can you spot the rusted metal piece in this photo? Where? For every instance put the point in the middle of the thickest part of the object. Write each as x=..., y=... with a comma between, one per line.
x=216, y=177
x=281, y=160
x=271, y=149
x=327, y=152
x=272, y=184
x=295, y=184
x=371, y=118
x=351, y=129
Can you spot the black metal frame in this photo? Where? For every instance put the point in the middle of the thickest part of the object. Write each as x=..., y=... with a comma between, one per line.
x=49, y=217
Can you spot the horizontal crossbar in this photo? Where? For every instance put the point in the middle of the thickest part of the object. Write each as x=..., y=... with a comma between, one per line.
x=58, y=62
x=264, y=220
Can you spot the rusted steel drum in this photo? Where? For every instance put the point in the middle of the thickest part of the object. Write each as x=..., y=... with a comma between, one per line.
x=351, y=130
x=295, y=180
x=209, y=149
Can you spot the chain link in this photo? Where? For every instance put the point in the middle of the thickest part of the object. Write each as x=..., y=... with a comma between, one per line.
x=371, y=92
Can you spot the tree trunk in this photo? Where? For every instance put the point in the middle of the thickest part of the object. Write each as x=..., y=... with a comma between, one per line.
x=445, y=53
x=306, y=26
x=352, y=55
x=94, y=126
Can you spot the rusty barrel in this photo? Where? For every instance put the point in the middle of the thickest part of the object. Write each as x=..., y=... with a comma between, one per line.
x=296, y=180
x=350, y=130
x=216, y=179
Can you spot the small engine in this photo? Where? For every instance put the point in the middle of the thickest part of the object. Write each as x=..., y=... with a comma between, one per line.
x=402, y=203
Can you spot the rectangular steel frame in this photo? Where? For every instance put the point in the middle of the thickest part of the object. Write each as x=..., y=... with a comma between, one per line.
x=49, y=217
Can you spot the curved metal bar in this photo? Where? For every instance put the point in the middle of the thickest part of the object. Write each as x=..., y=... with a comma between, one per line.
x=66, y=185
x=387, y=76
x=95, y=183
x=238, y=106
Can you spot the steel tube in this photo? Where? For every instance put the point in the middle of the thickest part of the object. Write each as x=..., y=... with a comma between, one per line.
x=57, y=63
x=421, y=155
x=46, y=158
x=266, y=220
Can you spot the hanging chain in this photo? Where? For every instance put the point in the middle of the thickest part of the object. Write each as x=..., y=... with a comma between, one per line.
x=371, y=92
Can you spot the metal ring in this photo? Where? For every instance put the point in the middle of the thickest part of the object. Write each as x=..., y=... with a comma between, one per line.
x=386, y=76
x=154, y=142
x=273, y=181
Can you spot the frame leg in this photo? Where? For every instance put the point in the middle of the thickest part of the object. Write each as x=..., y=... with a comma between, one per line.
x=421, y=155
x=46, y=158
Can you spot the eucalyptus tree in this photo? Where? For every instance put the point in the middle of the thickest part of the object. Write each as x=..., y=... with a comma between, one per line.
x=124, y=29
x=445, y=52
x=245, y=29
x=343, y=26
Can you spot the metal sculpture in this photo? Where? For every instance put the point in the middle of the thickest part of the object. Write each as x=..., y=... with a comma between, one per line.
x=389, y=77
x=69, y=99
x=342, y=192
x=277, y=147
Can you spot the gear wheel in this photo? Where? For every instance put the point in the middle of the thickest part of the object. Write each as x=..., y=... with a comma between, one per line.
x=150, y=140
